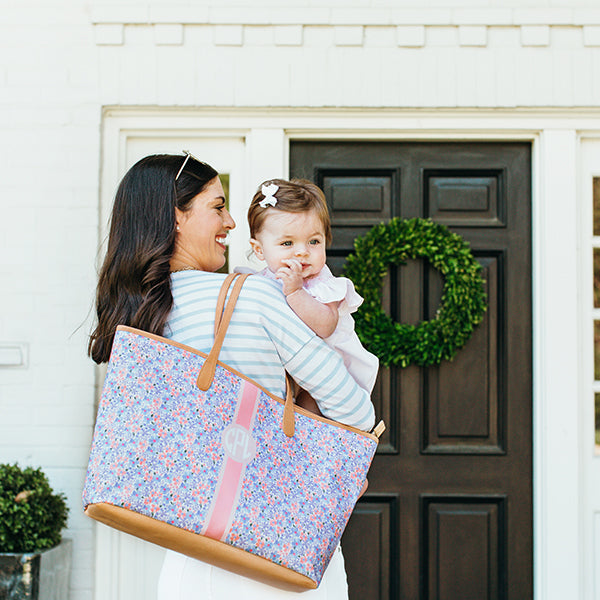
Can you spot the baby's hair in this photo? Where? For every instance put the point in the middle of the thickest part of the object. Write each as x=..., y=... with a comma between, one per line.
x=295, y=196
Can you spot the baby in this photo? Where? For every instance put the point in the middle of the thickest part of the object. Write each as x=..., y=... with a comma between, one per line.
x=290, y=229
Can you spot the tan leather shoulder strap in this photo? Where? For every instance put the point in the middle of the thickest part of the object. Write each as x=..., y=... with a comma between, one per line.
x=289, y=416
x=222, y=317
x=207, y=372
x=221, y=299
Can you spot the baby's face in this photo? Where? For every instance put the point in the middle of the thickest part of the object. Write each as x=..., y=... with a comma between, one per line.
x=285, y=236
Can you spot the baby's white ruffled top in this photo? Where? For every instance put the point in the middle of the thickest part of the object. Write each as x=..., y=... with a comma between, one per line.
x=361, y=364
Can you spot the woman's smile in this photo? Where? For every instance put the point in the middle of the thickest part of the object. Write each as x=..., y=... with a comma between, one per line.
x=202, y=230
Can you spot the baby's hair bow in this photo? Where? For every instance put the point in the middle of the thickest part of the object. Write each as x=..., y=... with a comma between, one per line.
x=269, y=192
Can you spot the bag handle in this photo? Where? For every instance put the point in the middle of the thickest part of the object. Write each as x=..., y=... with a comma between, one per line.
x=221, y=299
x=222, y=318
x=223, y=314
x=289, y=416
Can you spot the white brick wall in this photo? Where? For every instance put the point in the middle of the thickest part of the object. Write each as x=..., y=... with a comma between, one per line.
x=49, y=116
x=62, y=62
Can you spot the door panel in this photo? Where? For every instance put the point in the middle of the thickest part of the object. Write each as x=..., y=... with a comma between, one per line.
x=470, y=421
x=448, y=513
x=373, y=526
x=463, y=554
x=468, y=198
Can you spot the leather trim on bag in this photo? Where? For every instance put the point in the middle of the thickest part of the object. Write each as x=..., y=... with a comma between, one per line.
x=197, y=546
x=297, y=409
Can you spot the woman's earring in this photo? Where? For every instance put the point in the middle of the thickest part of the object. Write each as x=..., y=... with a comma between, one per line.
x=178, y=228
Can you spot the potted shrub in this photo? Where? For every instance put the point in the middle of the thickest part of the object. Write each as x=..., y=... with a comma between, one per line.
x=34, y=560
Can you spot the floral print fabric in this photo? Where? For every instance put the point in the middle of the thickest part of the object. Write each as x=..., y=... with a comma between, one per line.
x=158, y=450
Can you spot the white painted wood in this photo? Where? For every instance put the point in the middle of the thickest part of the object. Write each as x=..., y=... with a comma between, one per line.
x=556, y=374
x=128, y=568
x=266, y=155
x=350, y=12
x=595, y=558
x=70, y=61
x=265, y=135
x=590, y=496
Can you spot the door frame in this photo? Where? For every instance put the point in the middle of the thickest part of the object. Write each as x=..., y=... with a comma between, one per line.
x=589, y=168
x=555, y=136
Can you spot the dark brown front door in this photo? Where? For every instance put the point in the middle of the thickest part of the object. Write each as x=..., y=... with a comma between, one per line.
x=448, y=513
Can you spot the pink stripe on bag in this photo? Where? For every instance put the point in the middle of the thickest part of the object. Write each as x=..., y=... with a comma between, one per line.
x=240, y=448
x=247, y=405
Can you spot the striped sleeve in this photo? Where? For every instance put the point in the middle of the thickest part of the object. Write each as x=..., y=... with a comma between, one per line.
x=264, y=339
x=321, y=372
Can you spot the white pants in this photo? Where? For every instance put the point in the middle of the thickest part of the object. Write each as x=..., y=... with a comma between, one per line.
x=183, y=578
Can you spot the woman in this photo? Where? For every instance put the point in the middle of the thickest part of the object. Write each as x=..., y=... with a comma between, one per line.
x=167, y=238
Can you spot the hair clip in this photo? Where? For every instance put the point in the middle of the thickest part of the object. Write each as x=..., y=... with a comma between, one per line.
x=268, y=192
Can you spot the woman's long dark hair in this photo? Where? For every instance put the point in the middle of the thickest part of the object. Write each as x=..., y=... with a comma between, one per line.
x=134, y=286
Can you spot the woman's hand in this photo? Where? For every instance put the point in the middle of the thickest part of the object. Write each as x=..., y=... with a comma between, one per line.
x=364, y=488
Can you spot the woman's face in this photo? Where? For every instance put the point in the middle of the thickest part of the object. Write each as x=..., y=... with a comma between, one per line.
x=202, y=230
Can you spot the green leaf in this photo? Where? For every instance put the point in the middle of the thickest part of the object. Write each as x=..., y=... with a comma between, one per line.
x=32, y=516
x=463, y=301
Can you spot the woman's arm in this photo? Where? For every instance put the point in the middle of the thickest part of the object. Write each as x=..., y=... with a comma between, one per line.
x=321, y=372
x=278, y=335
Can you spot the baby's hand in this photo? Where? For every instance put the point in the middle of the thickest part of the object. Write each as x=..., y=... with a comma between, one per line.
x=290, y=276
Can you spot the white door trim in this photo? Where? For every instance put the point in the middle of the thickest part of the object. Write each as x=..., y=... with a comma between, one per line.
x=554, y=134
x=589, y=168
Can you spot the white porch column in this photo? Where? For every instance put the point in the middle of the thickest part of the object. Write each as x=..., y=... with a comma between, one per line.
x=557, y=476
x=267, y=156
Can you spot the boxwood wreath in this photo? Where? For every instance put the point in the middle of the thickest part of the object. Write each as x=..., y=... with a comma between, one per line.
x=462, y=305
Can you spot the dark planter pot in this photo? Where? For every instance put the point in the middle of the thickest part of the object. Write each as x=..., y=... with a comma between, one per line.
x=38, y=575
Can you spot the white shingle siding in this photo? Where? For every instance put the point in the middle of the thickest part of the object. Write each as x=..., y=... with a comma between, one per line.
x=232, y=58
x=66, y=60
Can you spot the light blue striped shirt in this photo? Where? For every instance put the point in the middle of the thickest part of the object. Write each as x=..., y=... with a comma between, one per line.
x=265, y=338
